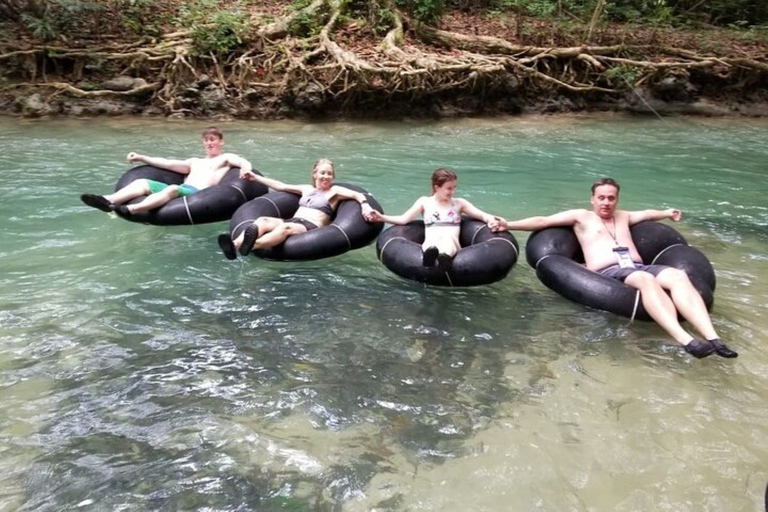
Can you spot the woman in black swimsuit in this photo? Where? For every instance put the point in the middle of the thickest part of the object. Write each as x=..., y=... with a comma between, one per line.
x=316, y=208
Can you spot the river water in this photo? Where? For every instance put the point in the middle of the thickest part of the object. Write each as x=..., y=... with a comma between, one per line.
x=140, y=370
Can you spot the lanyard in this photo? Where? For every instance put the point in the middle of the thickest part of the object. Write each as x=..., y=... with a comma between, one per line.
x=613, y=235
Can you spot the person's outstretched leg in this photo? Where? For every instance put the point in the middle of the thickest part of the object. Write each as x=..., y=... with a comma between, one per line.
x=136, y=188
x=150, y=202
x=278, y=235
x=262, y=225
x=661, y=308
x=691, y=306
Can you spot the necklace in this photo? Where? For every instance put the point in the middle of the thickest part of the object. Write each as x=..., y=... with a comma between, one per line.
x=613, y=235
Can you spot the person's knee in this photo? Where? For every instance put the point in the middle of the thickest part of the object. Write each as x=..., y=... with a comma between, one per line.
x=142, y=186
x=293, y=229
x=673, y=277
x=265, y=225
x=172, y=191
x=641, y=279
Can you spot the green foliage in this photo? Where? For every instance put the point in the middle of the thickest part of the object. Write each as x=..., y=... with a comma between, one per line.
x=375, y=13
x=734, y=13
x=140, y=17
x=306, y=23
x=43, y=27
x=647, y=11
x=58, y=17
x=87, y=86
x=538, y=8
x=214, y=31
x=623, y=75
x=426, y=11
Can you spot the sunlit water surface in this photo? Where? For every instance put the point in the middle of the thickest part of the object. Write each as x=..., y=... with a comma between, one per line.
x=141, y=370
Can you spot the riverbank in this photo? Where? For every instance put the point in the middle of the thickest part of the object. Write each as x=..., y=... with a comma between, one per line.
x=141, y=370
x=322, y=61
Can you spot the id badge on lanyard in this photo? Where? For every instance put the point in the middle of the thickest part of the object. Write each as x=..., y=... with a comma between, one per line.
x=623, y=258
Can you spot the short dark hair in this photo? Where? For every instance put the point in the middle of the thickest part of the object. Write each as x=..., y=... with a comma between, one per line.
x=605, y=181
x=441, y=175
x=212, y=130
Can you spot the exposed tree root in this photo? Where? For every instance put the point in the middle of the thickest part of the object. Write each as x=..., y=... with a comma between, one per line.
x=278, y=64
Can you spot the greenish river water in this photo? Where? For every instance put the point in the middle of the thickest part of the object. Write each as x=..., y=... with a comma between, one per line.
x=140, y=370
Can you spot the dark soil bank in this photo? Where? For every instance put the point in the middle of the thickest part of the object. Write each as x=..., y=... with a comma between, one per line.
x=326, y=60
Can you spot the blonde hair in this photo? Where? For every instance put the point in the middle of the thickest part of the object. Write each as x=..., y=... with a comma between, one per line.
x=318, y=163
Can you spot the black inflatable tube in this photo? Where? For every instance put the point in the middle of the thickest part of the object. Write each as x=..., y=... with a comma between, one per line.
x=348, y=230
x=485, y=257
x=557, y=257
x=213, y=204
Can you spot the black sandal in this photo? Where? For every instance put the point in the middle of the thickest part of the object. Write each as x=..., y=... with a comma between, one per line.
x=250, y=236
x=444, y=262
x=429, y=257
x=98, y=202
x=700, y=349
x=227, y=247
x=722, y=350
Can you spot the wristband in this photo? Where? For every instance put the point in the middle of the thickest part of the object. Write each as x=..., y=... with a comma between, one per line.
x=364, y=201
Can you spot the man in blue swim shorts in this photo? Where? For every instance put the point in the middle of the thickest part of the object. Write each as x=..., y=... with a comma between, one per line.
x=606, y=242
x=200, y=173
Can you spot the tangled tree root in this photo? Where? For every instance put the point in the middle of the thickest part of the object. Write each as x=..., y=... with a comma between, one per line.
x=280, y=65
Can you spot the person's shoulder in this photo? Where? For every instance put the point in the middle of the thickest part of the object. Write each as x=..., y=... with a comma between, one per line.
x=581, y=212
x=622, y=214
x=581, y=215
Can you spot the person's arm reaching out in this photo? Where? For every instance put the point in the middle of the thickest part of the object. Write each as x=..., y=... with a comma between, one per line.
x=566, y=218
x=410, y=214
x=179, y=166
x=643, y=215
x=274, y=184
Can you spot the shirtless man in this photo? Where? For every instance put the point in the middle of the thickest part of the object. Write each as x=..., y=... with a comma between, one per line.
x=200, y=173
x=608, y=249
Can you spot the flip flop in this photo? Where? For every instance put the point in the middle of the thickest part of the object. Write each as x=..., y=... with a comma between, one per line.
x=250, y=236
x=227, y=247
x=98, y=202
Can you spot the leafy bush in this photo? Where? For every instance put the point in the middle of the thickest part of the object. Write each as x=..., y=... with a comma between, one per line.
x=426, y=11
x=141, y=17
x=307, y=23
x=43, y=27
x=213, y=31
x=376, y=14
x=58, y=17
x=623, y=75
